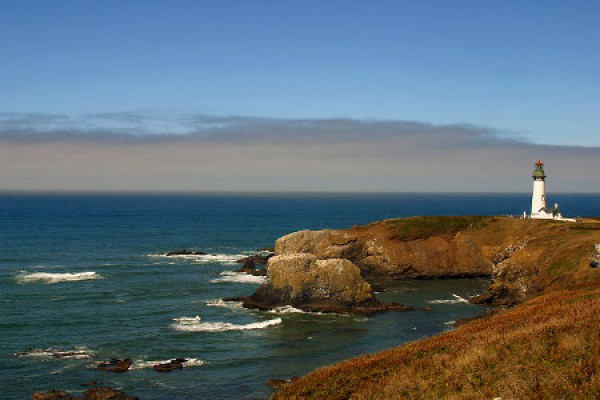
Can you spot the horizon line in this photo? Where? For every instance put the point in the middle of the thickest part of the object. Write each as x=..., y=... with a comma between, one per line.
x=93, y=192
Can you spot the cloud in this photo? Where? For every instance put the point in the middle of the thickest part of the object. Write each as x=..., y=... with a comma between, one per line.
x=195, y=152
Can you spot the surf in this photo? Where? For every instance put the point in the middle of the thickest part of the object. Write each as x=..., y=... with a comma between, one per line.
x=56, y=277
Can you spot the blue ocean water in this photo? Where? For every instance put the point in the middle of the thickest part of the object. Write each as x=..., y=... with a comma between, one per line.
x=84, y=274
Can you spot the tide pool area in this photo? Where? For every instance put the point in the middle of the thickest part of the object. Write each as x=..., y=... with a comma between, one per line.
x=84, y=279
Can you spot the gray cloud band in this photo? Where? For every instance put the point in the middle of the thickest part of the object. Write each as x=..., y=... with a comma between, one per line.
x=137, y=151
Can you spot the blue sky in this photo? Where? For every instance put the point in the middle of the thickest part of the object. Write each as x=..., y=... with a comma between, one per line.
x=520, y=70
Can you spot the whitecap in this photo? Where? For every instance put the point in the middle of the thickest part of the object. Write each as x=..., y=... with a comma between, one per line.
x=143, y=364
x=451, y=322
x=55, y=277
x=457, y=299
x=232, y=305
x=226, y=259
x=225, y=326
x=289, y=310
x=239, y=277
x=76, y=353
x=188, y=320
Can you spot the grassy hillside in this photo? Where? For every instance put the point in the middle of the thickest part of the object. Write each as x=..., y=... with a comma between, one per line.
x=547, y=348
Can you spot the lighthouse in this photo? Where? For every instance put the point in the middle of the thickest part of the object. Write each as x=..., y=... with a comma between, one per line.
x=539, y=210
x=538, y=199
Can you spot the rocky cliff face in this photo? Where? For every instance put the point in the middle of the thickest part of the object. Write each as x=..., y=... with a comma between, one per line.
x=377, y=253
x=523, y=257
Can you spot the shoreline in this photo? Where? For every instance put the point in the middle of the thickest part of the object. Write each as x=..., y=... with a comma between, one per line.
x=532, y=261
x=491, y=356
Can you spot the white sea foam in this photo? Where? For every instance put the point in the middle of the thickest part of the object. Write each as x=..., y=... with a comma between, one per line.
x=289, y=310
x=225, y=326
x=232, y=305
x=451, y=322
x=238, y=277
x=143, y=364
x=76, y=353
x=56, y=277
x=188, y=320
x=456, y=300
x=226, y=259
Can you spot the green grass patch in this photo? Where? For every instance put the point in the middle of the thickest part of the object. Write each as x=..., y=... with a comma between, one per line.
x=587, y=297
x=424, y=227
x=562, y=266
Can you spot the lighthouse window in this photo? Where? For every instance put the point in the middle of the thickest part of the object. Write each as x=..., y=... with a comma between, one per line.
x=543, y=197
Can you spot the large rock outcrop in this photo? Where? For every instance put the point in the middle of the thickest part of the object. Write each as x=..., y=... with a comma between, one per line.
x=523, y=257
x=378, y=251
x=305, y=282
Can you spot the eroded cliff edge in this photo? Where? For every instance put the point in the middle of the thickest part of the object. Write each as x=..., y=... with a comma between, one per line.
x=523, y=257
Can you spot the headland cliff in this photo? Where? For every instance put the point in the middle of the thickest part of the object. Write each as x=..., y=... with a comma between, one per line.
x=547, y=269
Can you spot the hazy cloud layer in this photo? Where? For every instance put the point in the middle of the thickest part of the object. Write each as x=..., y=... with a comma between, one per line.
x=188, y=152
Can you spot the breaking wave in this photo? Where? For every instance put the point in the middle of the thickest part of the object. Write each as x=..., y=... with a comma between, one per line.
x=457, y=299
x=188, y=320
x=143, y=364
x=226, y=259
x=232, y=305
x=55, y=277
x=289, y=310
x=223, y=326
x=76, y=353
x=239, y=277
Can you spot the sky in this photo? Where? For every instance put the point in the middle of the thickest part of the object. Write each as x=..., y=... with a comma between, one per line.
x=392, y=96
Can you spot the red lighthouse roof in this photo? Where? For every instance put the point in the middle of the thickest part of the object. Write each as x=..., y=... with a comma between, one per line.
x=539, y=163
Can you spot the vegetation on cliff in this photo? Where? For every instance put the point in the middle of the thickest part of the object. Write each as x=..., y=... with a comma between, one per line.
x=523, y=257
x=423, y=227
x=547, y=348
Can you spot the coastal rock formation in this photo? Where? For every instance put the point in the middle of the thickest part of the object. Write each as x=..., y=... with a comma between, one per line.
x=303, y=281
x=99, y=393
x=250, y=268
x=523, y=257
x=115, y=365
x=184, y=252
x=379, y=251
x=176, y=363
x=256, y=258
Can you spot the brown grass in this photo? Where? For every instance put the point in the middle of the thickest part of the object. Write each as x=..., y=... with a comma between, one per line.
x=547, y=348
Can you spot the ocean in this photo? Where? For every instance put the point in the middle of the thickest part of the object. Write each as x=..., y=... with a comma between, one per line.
x=83, y=276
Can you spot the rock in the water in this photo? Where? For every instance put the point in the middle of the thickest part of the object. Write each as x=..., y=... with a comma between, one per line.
x=250, y=268
x=107, y=394
x=52, y=395
x=302, y=281
x=115, y=365
x=98, y=393
x=176, y=363
x=256, y=258
x=184, y=252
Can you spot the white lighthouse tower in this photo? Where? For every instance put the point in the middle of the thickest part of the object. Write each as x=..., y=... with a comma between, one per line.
x=538, y=198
